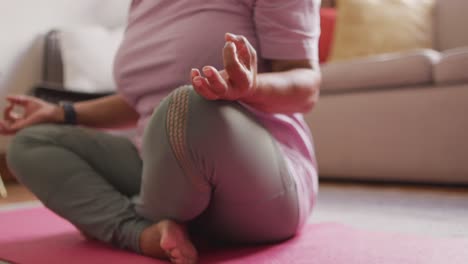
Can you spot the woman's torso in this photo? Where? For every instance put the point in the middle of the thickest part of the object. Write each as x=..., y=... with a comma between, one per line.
x=165, y=39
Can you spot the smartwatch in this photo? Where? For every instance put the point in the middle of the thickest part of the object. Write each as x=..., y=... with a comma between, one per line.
x=69, y=113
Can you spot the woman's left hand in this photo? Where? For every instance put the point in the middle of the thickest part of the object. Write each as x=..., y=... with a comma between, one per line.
x=237, y=81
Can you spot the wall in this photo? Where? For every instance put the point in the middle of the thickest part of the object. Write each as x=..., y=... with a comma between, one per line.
x=24, y=22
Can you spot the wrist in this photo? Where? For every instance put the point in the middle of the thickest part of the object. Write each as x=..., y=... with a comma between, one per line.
x=58, y=114
x=255, y=96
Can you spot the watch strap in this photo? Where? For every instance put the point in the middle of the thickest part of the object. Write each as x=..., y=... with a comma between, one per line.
x=69, y=113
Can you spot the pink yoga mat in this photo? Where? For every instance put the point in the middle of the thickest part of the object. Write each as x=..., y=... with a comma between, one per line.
x=38, y=236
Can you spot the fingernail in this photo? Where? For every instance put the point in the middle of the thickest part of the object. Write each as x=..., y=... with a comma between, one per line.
x=230, y=43
x=207, y=71
x=230, y=35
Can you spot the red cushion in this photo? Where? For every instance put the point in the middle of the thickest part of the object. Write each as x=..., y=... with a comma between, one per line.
x=327, y=25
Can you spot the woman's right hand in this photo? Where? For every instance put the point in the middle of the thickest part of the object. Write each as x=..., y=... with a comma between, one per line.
x=34, y=111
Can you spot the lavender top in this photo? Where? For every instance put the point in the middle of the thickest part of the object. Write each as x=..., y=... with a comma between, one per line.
x=164, y=39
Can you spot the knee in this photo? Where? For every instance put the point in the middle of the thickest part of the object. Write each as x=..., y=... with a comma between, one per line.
x=209, y=121
x=20, y=151
x=188, y=116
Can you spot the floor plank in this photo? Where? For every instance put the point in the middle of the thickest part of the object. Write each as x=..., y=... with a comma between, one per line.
x=16, y=194
x=414, y=209
x=423, y=210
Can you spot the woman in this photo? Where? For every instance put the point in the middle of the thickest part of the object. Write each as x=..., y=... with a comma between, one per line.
x=230, y=154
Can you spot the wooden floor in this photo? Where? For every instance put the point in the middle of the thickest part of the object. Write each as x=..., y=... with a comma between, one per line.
x=16, y=194
x=4, y=171
x=421, y=210
x=415, y=209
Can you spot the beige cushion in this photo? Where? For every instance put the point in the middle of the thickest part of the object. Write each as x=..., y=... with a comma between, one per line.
x=381, y=71
x=368, y=27
x=416, y=134
x=452, y=20
x=452, y=67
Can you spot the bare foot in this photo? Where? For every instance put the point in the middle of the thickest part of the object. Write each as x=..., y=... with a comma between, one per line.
x=168, y=240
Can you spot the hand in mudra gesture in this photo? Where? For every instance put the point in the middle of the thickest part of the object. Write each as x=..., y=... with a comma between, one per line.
x=237, y=81
x=34, y=111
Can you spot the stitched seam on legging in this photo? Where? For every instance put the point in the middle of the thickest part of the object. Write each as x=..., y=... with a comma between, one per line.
x=176, y=126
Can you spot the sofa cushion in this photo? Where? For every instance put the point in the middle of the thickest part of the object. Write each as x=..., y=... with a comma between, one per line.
x=452, y=67
x=451, y=24
x=381, y=71
x=370, y=27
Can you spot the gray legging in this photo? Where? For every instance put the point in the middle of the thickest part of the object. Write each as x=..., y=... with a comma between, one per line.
x=208, y=161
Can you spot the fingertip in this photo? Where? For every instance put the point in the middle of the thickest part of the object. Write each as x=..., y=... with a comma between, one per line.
x=197, y=81
x=230, y=45
x=206, y=71
x=209, y=71
x=194, y=72
x=230, y=36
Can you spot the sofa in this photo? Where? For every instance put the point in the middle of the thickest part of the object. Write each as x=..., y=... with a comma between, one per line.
x=399, y=116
